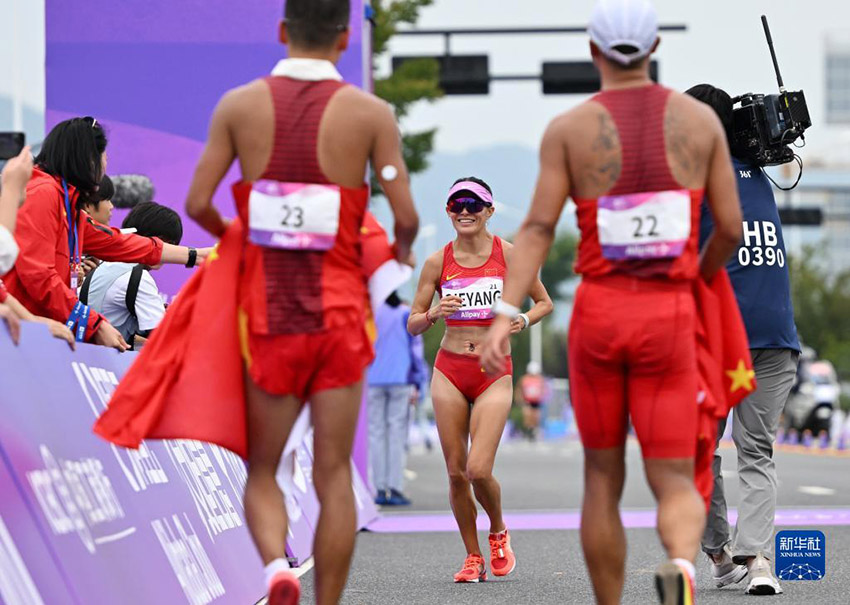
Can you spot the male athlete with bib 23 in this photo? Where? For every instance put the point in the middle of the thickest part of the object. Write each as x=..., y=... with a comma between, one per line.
x=303, y=139
x=636, y=159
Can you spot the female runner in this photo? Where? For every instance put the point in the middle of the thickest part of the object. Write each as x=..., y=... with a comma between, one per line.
x=468, y=274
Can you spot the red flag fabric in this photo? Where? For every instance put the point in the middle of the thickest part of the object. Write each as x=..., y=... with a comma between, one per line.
x=381, y=270
x=725, y=368
x=187, y=382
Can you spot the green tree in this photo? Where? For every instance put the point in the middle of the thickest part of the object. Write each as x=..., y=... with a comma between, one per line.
x=413, y=81
x=559, y=264
x=822, y=308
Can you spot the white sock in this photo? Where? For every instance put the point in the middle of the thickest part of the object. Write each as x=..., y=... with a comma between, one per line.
x=274, y=567
x=688, y=567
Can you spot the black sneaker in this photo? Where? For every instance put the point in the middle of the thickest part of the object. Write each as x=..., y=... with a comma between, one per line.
x=396, y=498
x=382, y=499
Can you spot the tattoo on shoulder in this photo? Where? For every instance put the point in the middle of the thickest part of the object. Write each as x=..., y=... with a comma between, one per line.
x=680, y=148
x=607, y=162
x=607, y=138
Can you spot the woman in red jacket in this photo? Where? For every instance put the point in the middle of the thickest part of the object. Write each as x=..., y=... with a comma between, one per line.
x=53, y=233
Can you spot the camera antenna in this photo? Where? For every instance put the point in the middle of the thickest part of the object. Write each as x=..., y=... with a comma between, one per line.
x=772, y=54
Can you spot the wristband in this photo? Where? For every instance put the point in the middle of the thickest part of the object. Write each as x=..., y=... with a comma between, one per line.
x=524, y=318
x=500, y=307
x=428, y=317
x=193, y=258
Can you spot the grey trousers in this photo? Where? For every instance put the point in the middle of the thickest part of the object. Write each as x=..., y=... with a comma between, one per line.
x=388, y=419
x=753, y=431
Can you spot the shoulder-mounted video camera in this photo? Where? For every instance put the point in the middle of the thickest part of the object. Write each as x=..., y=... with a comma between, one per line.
x=764, y=126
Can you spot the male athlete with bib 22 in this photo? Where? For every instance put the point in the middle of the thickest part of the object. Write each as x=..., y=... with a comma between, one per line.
x=303, y=139
x=636, y=159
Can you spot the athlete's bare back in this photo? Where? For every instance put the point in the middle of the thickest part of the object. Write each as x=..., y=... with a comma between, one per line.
x=356, y=128
x=694, y=140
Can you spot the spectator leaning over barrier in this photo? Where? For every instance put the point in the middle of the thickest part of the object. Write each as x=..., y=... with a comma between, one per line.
x=126, y=294
x=16, y=173
x=100, y=209
x=53, y=233
x=100, y=206
x=760, y=278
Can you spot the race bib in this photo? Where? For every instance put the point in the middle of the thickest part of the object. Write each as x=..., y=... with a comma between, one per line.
x=294, y=216
x=649, y=226
x=478, y=295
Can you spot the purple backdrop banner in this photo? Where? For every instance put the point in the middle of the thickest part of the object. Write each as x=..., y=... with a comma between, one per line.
x=82, y=521
x=152, y=70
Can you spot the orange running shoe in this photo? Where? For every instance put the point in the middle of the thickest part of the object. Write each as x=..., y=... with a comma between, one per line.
x=473, y=570
x=502, y=559
x=285, y=589
x=674, y=585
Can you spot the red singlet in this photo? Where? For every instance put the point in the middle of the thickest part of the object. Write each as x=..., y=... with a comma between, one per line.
x=478, y=287
x=303, y=310
x=632, y=349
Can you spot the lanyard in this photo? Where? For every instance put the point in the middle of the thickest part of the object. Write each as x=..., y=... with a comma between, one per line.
x=79, y=317
x=73, y=236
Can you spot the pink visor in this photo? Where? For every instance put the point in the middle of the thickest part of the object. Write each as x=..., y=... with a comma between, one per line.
x=474, y=188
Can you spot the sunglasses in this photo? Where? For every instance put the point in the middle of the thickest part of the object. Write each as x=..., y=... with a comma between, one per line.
x=472, y=204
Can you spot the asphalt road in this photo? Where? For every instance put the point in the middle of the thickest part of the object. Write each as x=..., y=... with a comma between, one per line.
x=416, y=567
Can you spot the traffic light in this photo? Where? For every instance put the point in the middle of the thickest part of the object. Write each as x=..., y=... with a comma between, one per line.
x=805, y=217
x=459, y=74
x=577, y=77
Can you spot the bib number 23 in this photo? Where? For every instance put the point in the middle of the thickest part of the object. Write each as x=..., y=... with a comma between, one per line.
x=294, y=216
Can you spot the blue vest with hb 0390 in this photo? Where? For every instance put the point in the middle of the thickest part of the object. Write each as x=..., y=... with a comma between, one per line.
x=759, y=269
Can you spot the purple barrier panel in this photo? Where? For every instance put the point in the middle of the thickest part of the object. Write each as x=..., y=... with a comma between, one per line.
x=167, y=63
x=29, y=574
x=363, y=501
x=162, y=524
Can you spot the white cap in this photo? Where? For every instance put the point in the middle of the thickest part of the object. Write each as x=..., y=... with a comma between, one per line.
x=624, y=22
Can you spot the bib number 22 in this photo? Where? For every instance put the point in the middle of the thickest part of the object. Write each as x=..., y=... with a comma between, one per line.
x=651, y=221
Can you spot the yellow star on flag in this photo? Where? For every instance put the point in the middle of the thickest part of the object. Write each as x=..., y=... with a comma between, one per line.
x=741, y=377
x=213, y=255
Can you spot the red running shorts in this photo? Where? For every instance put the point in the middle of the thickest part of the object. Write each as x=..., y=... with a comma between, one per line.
x=305, y=364
x=466, y=374
x=632, y=353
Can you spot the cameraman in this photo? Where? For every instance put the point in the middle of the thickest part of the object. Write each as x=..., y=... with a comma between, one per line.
x=759, y=274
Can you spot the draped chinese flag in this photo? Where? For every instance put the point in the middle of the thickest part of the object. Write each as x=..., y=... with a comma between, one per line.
x=725, y=368
x=187, y=381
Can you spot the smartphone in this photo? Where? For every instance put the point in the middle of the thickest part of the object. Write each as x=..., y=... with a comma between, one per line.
x=11, y=144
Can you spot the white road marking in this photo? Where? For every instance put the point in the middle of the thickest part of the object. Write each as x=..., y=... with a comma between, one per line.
x=814, y=490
